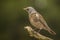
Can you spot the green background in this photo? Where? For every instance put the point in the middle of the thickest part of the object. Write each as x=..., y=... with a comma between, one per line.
x=13, y=18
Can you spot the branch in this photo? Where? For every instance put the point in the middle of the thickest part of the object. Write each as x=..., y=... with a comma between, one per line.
x=36, y=34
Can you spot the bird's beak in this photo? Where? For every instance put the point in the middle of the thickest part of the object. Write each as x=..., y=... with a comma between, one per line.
x=24, y=8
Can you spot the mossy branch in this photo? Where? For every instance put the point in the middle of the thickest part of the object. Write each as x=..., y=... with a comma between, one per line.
x=35, y=34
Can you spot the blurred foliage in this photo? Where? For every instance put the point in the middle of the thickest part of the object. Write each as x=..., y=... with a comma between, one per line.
x=13, y=18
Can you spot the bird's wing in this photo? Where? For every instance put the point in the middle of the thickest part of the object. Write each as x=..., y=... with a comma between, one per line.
x=38, y=18
x=41, y=19
x=45, y=24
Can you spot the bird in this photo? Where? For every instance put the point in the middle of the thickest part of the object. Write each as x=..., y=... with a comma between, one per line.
x=37, y=20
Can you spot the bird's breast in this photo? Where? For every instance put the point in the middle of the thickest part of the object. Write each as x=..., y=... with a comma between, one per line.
x=33, y=19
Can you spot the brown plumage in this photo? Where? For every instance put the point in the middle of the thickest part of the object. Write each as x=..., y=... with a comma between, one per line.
x=37, y=20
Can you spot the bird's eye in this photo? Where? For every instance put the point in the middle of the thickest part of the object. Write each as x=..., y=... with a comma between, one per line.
x=27, y=9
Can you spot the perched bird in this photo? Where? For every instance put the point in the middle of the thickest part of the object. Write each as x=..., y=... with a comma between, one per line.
x=37, y=20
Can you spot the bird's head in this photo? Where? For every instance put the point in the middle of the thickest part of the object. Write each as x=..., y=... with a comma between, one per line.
x=30, y=9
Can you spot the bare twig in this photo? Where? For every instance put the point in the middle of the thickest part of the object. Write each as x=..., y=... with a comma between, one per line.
x=36, y=34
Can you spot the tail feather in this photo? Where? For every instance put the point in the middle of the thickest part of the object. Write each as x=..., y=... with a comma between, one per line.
x=52, y=32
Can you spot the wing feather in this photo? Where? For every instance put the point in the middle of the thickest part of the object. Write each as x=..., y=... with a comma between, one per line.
x=42, y=20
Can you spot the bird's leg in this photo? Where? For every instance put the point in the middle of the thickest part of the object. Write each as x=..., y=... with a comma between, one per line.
x=35, y=29
x=39, y=29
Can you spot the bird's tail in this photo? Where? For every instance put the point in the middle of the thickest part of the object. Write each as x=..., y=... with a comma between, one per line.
x=51, y=32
